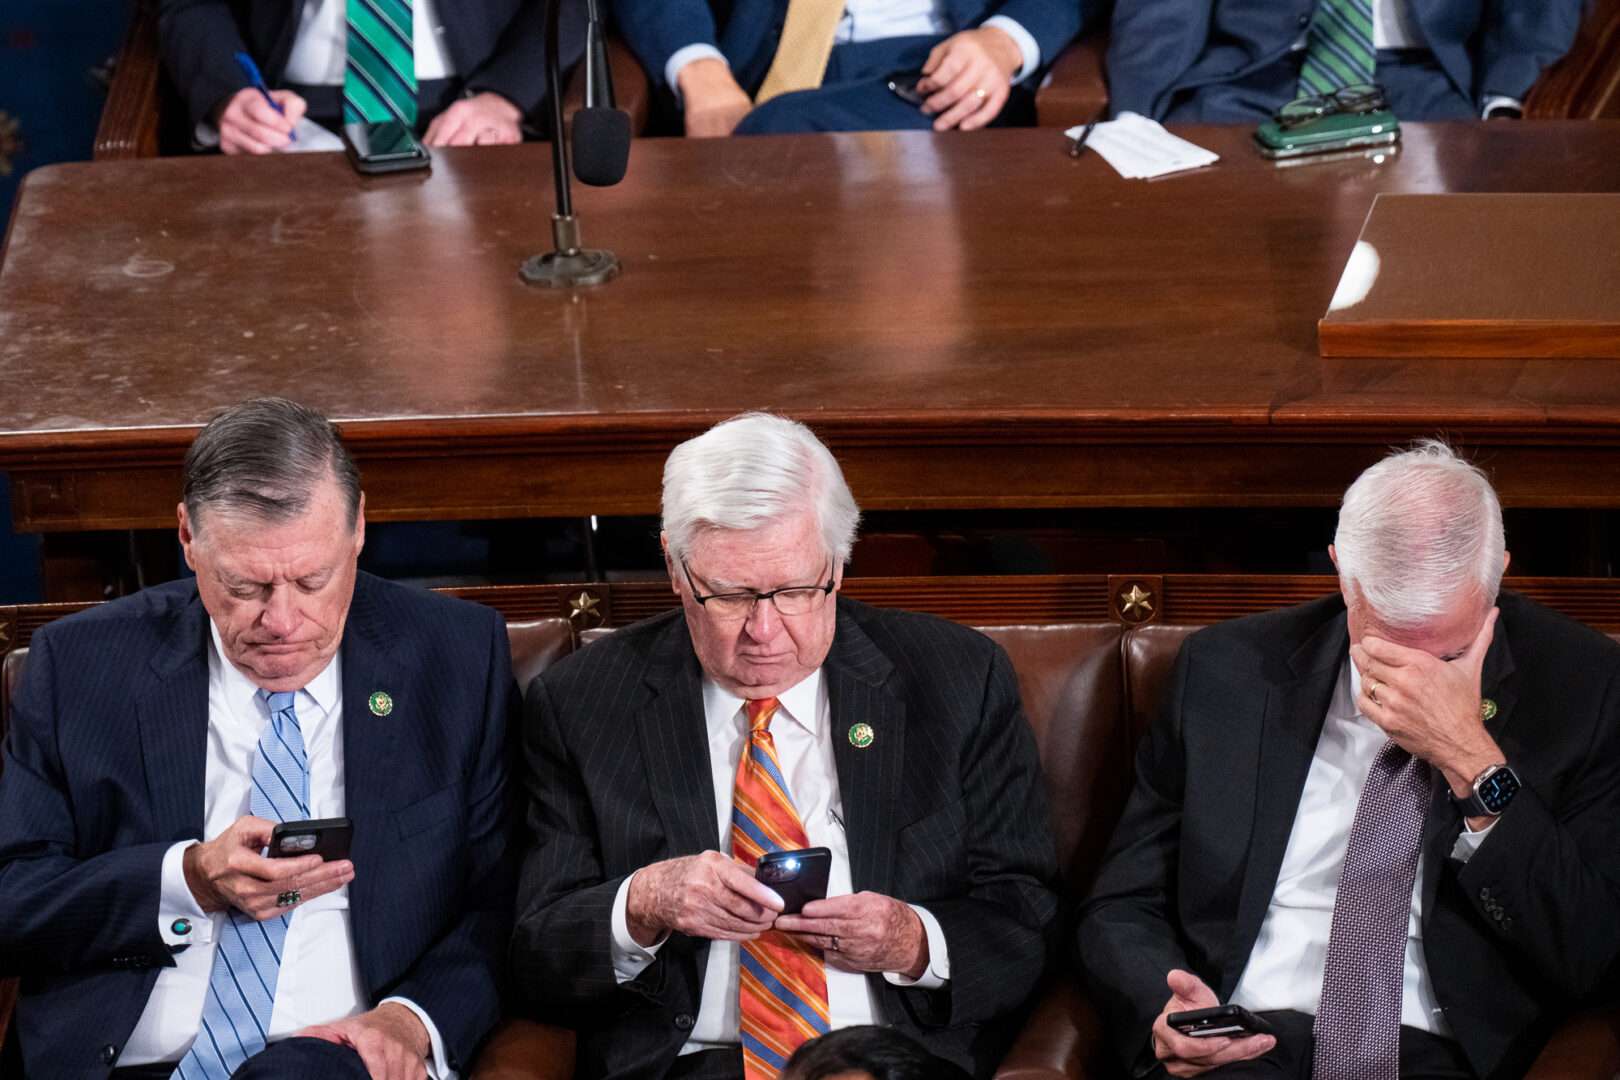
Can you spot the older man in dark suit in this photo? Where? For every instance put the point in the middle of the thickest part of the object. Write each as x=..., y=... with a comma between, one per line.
x=1237, y=61
x=1383, y=822
x=770, y=714
x=157, y=741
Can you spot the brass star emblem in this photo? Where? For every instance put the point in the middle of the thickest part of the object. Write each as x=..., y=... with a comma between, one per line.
x=584, y=607
x=1135, y=604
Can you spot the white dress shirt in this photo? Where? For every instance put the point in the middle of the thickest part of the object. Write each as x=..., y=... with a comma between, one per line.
x=873, y=20
x=1285, y=968
x=319, y=981
x=321, y=45
x=801, y=730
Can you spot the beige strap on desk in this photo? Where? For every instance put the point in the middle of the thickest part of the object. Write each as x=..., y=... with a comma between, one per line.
x=801, y=55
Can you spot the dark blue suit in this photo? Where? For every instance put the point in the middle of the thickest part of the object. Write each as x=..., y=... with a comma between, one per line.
x=749, y=30
x=1233, y=60
x=104, y=770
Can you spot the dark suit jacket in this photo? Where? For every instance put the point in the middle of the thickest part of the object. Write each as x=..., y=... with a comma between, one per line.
x=1159, y=47
x=104, y=769
x=497, y=45
x=747, y=31
x=945, y=809
x=1513, y=938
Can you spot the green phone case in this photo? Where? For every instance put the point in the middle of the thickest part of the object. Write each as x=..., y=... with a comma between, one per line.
x=1336, y=131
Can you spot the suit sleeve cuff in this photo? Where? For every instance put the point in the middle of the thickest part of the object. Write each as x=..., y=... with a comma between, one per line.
x=630, y=957
x=1500, y=101
x=684, y=56
x=181, y=920
x=438, y=1066
x=1025, y=41
x=938, y=971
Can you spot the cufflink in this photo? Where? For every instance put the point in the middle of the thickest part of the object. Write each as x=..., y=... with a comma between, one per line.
x=180, y=926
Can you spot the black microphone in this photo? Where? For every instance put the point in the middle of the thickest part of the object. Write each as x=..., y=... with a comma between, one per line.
x=600, y=156
x=601, y=131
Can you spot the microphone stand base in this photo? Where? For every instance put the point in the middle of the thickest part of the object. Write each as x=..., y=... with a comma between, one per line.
x=566, y=269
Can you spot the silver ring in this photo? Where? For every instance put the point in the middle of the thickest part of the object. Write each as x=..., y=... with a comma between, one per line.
x=980, y=92
x=289, y=898
x=835, y=943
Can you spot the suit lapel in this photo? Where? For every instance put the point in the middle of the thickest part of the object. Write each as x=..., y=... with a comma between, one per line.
x=173, y=718
x=1444, y=822
x=675, y=745
x=1294, y=713
x=869, y=779
x=370, y=743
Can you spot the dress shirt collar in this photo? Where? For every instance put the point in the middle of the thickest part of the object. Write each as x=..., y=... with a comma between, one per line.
x=241, y=693
x=1345, y=692
x=802, y=703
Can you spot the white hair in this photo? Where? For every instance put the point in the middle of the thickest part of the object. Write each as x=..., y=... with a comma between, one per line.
x=1417, y=531
x=754, y=470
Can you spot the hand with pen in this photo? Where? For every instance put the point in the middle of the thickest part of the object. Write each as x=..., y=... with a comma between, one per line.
x=257, y=119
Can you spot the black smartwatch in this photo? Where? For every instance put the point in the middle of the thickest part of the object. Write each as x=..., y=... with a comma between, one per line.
x=1492, y=790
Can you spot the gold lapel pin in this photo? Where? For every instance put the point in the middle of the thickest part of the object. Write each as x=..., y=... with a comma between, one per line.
x=861, y=736
x=381, y=704
x=1487, y=709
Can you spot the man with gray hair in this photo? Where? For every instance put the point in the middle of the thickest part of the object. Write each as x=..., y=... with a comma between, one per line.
x=674, y=763
x=1383, y=823
x=158, y=742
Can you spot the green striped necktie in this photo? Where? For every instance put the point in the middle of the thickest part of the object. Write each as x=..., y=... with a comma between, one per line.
x=1339, y=47
x=379, y=79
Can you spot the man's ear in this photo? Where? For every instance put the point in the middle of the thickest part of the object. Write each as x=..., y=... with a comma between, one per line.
x=360, y=525
x=669, y=563
x=1507, y=557
x=188, y=535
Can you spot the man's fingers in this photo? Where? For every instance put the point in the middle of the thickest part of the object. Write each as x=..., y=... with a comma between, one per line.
x=294, y=106
x=281, y=870
x=1190, y=989
x=1482, y=641
x=1242, y=1049
x=935, y=55
x=740, y=880
x=259, y=111
x=950, y=66
x=987, y=112
x=970, y=92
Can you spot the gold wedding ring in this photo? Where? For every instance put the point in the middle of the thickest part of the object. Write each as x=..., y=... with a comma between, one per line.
x=1372, y=691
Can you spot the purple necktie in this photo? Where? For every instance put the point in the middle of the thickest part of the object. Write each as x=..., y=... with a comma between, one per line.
x=1358, y=1023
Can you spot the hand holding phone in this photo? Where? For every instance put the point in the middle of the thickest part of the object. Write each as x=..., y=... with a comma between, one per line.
x=327, y=837
x=1216, y=1021
x=798, y=877
x=1188, y=1032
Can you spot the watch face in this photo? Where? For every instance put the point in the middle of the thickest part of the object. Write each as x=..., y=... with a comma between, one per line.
x=1498, y=789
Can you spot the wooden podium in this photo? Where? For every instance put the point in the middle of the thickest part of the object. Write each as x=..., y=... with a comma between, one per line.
x=1495, y=275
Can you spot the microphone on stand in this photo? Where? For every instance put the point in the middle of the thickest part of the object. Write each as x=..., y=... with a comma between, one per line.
x=601, y=151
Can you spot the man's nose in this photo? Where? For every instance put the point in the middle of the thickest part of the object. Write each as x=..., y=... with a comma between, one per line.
x=763, y=621
x=280, y=615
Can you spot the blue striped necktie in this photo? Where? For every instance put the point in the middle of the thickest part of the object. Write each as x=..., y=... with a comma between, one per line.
x=247, y=956
x=379, y=76
x=1338, y=48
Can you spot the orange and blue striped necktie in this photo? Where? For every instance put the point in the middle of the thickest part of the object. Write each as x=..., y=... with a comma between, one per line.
x=782, y=988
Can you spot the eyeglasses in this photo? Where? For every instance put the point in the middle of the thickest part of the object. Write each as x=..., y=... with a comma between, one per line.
x=792, y=600
x=1355, y=98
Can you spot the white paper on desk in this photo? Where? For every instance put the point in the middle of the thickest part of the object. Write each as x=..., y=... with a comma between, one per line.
x=311, y=137
x=1140, y=149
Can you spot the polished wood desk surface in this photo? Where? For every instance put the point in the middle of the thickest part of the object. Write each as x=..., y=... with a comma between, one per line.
x=970, y=320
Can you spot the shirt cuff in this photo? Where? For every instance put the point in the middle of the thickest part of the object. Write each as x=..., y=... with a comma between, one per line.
x=1025, y=41
x=1468, y=841
x=1499, y=101
x=438, y=1067
x=684, y=56
x=630, y=957
x=938, y=971
x=181, y=920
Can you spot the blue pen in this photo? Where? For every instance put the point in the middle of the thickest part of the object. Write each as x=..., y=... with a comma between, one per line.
x=251, y=70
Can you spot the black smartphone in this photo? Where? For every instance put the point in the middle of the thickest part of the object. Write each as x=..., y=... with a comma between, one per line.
x=327, y=837
x=797, y=876
x=1230, y=1020
x=903, y=85
x=383, y=147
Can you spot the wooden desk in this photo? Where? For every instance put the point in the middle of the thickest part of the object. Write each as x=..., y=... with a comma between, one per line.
x=970, y=321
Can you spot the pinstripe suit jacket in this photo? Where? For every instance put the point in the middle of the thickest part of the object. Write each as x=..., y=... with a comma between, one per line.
x=945, y=809
x=104, y=769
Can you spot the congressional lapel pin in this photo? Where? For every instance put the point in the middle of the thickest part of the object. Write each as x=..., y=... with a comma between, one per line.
x=861, y=736
x=1487, y=709
x=381, y=704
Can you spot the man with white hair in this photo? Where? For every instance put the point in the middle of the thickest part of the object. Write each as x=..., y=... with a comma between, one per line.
x=771, y=714
x=1383, y=822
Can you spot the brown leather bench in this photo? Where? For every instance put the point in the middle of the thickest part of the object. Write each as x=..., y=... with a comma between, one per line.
x=1089, y=689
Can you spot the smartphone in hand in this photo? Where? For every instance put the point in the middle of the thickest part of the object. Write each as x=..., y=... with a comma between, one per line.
x=327, y=837
x=1233, y=1021
x=798, y=877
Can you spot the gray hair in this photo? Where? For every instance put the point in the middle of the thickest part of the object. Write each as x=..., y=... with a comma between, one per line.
x=753, y=470
x=265, y=458
x=1417, y=530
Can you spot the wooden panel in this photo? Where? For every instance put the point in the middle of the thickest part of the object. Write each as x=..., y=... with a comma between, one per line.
x=131, y=118
x=1481, y=276
x=1586, y=82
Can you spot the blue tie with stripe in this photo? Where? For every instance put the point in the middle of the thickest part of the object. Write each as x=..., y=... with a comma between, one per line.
x=247, y=957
